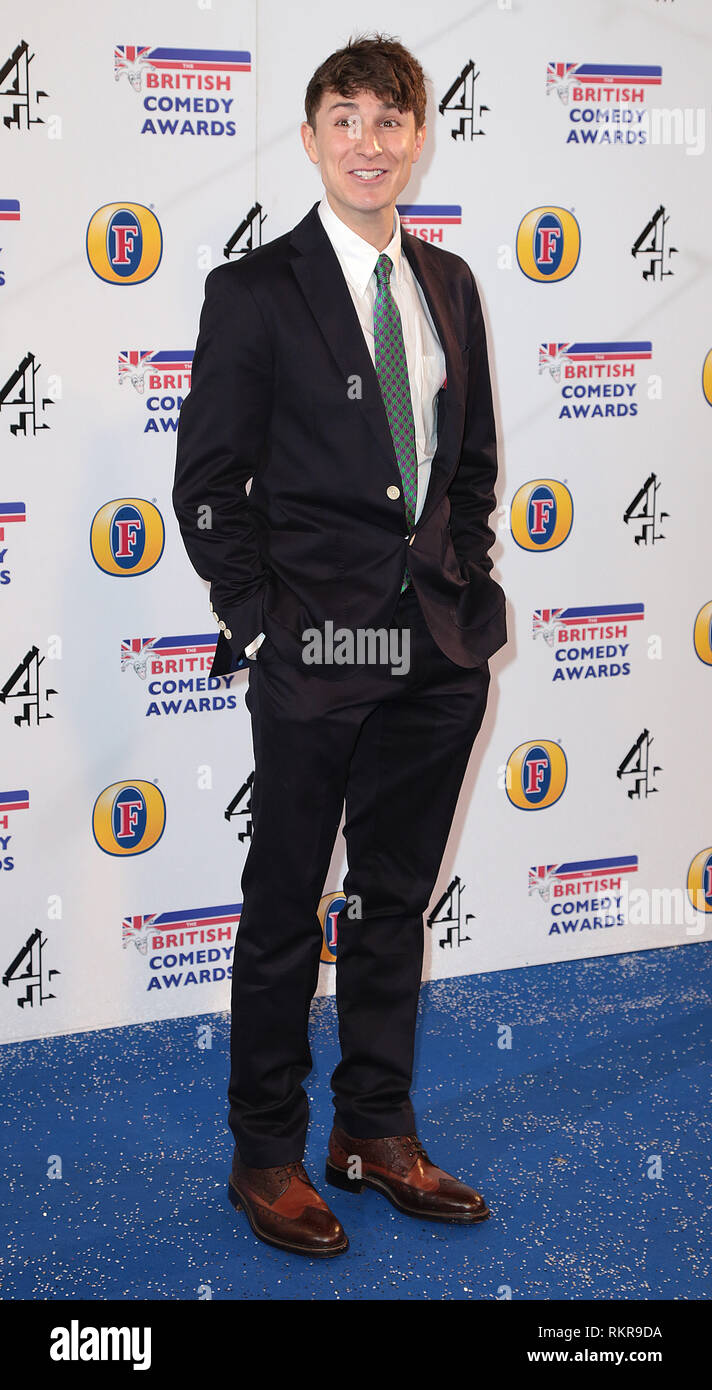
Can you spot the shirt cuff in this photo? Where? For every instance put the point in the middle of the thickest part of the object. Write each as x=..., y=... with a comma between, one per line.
x=251, y=648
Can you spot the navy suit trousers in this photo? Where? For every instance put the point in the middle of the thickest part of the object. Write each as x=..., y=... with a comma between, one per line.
x=394, y=748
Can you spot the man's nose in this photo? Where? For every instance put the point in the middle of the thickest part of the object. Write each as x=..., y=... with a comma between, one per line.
x=366, y=138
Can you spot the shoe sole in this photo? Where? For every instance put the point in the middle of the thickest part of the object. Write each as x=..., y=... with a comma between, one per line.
x=239, y=1203
x=339, y=1178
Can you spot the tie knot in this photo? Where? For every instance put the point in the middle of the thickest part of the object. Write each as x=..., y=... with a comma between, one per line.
x=384, y=266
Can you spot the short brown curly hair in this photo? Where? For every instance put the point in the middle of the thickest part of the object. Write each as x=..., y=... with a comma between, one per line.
x=377, y=63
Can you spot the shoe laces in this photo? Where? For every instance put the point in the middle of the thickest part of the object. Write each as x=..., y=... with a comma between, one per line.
x=415, y=1148
x=287, y=1171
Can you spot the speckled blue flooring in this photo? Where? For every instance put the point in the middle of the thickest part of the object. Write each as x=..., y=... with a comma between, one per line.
x=609, y=1066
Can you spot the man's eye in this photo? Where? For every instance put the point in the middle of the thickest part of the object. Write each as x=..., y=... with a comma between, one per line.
x=347, y=120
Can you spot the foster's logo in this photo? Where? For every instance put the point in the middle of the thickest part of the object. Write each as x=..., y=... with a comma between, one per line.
x=548, y=244
x=124, y=243
x=127, y=536
x=536, y=775
x=541, y=514
x=128, y=818
x=707, y=377
x=329, y=909
x=699, y=881
x=703, y=633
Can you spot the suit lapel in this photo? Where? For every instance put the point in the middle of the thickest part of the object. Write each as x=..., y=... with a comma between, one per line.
x=319, y=274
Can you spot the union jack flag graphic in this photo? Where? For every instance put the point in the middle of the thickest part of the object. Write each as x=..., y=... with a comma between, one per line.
x=551, y=356
x=134, y=363
x=559, y=76
x=137, y=929
x=9, y=209
x=545, y=621
x=133, y=60
x=11, y=511
x=542, y=877
x=135, y=652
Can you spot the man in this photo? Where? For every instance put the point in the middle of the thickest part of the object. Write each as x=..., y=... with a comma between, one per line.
x=343, y=369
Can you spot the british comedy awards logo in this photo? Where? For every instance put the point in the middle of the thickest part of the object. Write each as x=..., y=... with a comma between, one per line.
x=596, y=381
x=605, y=103
x=183, y=91
x=161, y=379
x=9, y=212
x=10, y=803
x=429, y=221
x=591, y=643
x=175, y=673
x=585, y=895
x=178, y=950
x=11, y=514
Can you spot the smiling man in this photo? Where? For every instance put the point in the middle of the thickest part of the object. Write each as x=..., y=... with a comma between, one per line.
x=362, y=180
x=343, y=369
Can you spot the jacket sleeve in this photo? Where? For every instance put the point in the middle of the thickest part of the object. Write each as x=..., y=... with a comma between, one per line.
x=221, y=427
x=471, y=492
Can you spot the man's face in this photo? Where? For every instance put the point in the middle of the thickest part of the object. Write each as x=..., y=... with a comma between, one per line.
x=364, y=134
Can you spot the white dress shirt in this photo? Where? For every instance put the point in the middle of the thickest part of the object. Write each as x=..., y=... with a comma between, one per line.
x=423, y=351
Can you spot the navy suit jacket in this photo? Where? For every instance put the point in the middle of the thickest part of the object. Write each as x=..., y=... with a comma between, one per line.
x=284, y=392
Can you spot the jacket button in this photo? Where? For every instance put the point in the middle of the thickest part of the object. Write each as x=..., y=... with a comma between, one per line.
x=222, y=624
x=228, y=632
x=393, y=492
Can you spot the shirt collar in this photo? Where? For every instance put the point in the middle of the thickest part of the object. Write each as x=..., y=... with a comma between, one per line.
x=358, y=257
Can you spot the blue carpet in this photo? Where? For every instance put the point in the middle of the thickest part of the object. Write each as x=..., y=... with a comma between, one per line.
x=609, y=1067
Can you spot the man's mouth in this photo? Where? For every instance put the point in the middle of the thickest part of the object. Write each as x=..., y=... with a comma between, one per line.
x=368, y=175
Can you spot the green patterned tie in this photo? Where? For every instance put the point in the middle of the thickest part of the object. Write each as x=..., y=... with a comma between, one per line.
x=392, y=373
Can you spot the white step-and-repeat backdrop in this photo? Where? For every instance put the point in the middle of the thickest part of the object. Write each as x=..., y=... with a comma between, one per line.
x=567, y=161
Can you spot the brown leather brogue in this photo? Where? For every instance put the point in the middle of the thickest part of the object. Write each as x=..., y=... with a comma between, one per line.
x=400, y=1168
x=284, y=1209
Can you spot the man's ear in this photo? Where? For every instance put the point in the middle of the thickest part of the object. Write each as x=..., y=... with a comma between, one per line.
x=309, y=141
x=419, y=142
